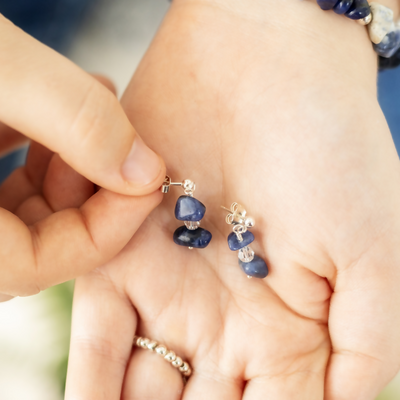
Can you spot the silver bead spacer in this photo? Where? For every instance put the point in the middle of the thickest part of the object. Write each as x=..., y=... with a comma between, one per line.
x=161, y=350
x=152, y=345
x=137, y=340
x=189, y=187
x=184, y=367
x=144, y=343
x=246, y=254
x=192, y=225
x=178, y=362
x=249, y=222
x=365, y=21
x=170, y=356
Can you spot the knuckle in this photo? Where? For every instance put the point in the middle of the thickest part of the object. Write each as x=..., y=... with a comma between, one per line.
x=100, y=346
x=91, y=123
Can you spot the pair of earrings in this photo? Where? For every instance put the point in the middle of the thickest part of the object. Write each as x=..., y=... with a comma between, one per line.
x=192, y=211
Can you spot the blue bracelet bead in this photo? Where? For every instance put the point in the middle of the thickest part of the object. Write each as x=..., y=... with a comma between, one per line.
x=359, y=10
x=389, y=45
x=327, y=4
x=389, y=63
x=198, y=239
x=343, y=6
x=233, y=241
x=257, y=268
x=189, y=209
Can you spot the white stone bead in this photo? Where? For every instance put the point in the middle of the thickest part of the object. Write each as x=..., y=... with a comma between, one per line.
x=382, y=22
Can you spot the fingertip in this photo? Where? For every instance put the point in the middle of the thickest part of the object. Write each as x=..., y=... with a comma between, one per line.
x=143, y=169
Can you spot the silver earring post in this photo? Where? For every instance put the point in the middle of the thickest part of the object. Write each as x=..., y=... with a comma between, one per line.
x=188, y=186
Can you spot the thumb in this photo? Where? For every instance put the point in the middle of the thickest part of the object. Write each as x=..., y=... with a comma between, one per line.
x=49, y=99
x=364, y=324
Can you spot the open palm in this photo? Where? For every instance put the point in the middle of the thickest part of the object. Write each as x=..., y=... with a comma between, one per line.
x=312, y=161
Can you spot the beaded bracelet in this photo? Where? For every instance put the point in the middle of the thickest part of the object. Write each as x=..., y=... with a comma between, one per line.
x=383, y=31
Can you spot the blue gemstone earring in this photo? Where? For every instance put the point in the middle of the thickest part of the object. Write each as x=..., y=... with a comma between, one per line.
x=191, y=211
x=240, y=238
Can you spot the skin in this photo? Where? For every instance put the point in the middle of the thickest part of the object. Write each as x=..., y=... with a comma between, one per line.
x=279, y=114
x=50, y=233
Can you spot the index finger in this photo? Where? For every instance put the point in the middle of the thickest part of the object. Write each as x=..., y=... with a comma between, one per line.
x=52, y=101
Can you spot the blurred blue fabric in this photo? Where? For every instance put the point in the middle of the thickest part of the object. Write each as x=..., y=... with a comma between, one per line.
x=53, y=22
x=389, y=99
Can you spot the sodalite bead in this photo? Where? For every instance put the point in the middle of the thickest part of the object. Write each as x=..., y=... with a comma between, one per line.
x=342, y=6
x=189, y=209
x=389, y=63
x=327, y=4
x=198, y=239
x=359, y=9
x=389, y=45
x=233, y=241
x=257, y=268
x=382, y=22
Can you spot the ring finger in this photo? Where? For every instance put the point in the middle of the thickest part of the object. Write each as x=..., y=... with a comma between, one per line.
x=149, y=376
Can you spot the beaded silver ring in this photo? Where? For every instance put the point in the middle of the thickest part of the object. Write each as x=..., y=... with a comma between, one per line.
x=182, y=366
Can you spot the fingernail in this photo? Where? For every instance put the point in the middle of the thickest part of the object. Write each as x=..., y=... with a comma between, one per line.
x=142, y=165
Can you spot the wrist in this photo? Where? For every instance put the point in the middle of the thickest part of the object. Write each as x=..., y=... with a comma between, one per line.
x=293, y=34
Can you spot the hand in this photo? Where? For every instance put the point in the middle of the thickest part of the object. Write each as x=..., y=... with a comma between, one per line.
x=50, y=233
x=273, y=106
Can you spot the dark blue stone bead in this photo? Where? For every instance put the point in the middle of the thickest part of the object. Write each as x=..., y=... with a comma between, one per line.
x=389, y=63
x=233, y=241
x=389, y=45
x=189, y=209
x=257, y=268
x=342, y=6
x=199, y=238
x=327, y=4
x=359, y=9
